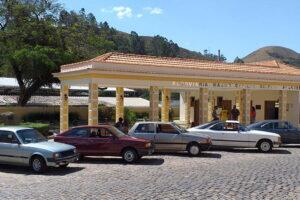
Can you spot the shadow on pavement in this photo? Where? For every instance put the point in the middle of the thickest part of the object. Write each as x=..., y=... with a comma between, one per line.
x=274, y=151
x=119, y=161
x=27, y=170
x=291, y=145
x=184, y=154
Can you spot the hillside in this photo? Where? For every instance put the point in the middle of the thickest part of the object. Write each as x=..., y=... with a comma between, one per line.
x=274, y=53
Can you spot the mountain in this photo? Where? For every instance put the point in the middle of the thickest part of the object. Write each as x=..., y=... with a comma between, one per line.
x=282, y=54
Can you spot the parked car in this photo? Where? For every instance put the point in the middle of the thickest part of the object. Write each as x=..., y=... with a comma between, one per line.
x=289, y=134
x=170, y=137
x=26, y=146
x=233, y=134
x=105, y=140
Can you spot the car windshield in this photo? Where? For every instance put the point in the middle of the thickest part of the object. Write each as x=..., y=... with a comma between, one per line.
x=117, y=132
x=30, y=136
x=180, y=128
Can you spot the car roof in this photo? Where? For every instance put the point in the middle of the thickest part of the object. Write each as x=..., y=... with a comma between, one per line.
x=92, y=126
x=13, y=128
x=153, y=122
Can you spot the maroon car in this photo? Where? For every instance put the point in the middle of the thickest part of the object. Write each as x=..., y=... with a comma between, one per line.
x=105, y=140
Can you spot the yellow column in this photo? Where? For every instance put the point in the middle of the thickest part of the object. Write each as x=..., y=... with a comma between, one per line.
x=245, y=106
x=238, y=103
x=210, y=105
x=203, y=105
x=187, y=108
x=93, y=104
x=282, y=104
x=166, y=97
x=154, y=102
x=64, y=107
x=119, y=103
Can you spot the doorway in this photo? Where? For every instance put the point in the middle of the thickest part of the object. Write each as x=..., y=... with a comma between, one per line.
x=271, y=110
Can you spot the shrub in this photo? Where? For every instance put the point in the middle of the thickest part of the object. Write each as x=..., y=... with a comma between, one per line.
x=52, y=117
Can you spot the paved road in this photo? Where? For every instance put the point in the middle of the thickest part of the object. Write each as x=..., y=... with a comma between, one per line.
x=235, y=174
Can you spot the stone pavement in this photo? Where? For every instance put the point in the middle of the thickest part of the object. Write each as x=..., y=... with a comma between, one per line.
x=233, y=174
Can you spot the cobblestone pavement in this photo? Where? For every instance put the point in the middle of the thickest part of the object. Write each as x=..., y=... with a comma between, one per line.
x=234, y=174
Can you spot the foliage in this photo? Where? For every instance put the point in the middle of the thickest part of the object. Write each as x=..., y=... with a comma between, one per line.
x=51, y=117
x=211, y=56
x=129, y=116
x=106, y=114
x=238, y=60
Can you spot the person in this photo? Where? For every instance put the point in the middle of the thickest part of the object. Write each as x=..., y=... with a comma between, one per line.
x=235, y=113
x=120, y=124
x=252, y=115
x=214, y=114
x=125, y=127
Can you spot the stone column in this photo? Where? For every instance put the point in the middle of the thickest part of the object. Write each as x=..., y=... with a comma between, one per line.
x=282, y=105
x=203, y=105
x=166, y=97
x=64, y=107
x=119, y=103
x=210, y=105
x=185, y=108
x=238, y=103
x=245, y=106
x=93, y=104
x=154, y=104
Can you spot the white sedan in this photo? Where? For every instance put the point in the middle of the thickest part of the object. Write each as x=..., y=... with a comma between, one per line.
x=233, y=134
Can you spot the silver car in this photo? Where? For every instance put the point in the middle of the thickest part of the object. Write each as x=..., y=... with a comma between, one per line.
x=170, y=137
x=26, y=146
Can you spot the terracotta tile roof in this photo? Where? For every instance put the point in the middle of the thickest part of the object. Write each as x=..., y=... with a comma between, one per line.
x=265, y=67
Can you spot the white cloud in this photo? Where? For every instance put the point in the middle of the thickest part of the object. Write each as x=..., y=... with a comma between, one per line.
x=139, y=15
x=122, y=11
x=154, y=11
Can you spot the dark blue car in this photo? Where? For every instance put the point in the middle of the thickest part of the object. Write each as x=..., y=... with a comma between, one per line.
x=289, y=134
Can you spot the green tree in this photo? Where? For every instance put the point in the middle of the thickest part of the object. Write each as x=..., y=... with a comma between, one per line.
x=238, y=60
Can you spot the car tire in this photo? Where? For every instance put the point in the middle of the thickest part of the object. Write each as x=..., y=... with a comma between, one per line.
x=129, y=155
x=38, y=164
x=264, y=146
x=193, y=149
x=64, y=165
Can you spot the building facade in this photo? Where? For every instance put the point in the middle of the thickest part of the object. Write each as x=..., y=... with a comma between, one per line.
x=271, y=87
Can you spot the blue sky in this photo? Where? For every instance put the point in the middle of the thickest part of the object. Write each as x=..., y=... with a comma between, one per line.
x=236, y=27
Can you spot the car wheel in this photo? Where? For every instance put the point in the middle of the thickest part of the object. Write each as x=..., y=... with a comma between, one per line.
x=64, y=165
x=38, y=164
x=193, y=149
x=265, y=146
x=129, y=155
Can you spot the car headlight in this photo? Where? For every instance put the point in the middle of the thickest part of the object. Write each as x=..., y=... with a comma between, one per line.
x=148, y=145
x=56, y=155
x=75, y=151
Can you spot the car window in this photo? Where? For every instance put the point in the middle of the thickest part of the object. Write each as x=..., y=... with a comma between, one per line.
x=231, y=127
x=101, y=132
x=217, y=127
x=267, y=126
x=281, y=125
x=79, y=132
x=166, y=128
x=145, y=128
x=7, y=137
x=30, y=136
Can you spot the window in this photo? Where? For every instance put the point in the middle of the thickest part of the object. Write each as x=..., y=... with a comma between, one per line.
x=281, y=125
x=231, y=127
x=166, y=128
x=267, y=126
x=79, y=132
x=217, y=127
x=104, y=133
x=145, y=128
x=30, y=136
x=7, y=137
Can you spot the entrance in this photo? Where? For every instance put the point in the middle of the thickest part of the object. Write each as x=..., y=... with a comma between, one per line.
x=226, y=109
x=271, y=110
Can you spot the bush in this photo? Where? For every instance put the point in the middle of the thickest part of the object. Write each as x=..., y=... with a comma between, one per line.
x=106, y=114
x=42, y=128
x=52, y=117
